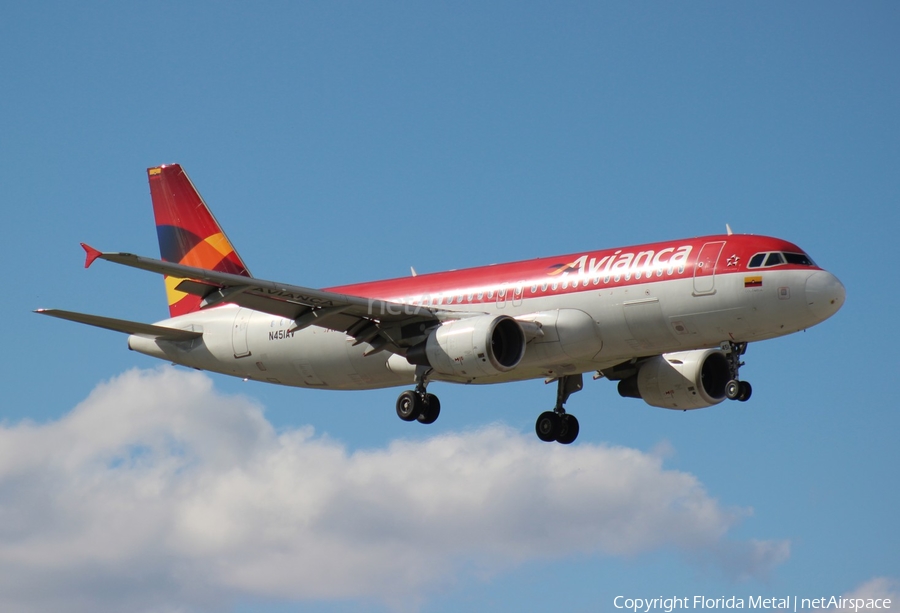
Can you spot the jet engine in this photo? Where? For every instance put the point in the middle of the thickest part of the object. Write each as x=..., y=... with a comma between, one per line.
x=681, y=380
x=473, y=347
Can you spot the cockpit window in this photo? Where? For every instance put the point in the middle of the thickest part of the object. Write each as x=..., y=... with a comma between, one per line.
x=774, y=259
x=801, y=259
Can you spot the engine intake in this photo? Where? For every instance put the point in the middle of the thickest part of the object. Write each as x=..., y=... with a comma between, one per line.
x=681, y=380
x=472, y=347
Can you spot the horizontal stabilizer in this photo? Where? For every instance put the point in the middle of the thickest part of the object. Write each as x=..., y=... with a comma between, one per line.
x=122, y=325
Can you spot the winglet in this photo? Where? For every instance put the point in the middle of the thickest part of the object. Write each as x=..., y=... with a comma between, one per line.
x=91, y=254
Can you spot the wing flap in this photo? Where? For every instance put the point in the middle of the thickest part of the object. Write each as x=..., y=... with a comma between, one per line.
x=122, y=325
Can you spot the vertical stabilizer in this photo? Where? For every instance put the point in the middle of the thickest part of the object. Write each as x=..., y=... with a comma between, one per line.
x=188, y=233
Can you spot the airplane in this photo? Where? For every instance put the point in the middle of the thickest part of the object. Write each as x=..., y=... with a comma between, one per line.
x=668, y=321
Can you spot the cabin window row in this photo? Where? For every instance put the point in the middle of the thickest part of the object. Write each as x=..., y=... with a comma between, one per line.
x=508, y=293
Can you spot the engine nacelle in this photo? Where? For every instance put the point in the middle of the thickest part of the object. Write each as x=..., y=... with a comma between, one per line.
x=680, y=380
x=472, y=347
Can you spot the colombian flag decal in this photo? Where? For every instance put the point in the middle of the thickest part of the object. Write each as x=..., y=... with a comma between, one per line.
x=752, y=281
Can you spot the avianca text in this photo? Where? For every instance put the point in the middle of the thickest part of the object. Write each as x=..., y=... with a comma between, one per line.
x=626, y=265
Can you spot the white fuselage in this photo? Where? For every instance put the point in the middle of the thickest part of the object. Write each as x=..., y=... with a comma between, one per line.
x=650, y=318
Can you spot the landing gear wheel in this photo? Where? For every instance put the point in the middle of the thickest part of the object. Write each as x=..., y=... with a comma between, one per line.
x=548, y=426
x=569, y=430
x=557, y=425
x=409, y=406
x=733, y=389
x=431, y=410
x=745, y=391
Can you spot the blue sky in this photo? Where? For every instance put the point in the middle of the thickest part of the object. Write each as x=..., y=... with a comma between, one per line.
x=344, y=142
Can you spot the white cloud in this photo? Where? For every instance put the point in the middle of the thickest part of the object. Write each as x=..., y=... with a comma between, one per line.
x=159, y=494
x=878, y=588
x=868, y=596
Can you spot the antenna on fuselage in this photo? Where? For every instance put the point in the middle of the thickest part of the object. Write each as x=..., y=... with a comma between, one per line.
x=728, y=230
x=413, y=271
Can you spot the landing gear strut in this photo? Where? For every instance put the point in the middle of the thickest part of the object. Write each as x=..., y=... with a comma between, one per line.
x=557, y=425
x=736, y=389
x=419, y=405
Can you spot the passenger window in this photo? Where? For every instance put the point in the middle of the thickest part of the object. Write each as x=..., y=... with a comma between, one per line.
x=801, y=259
x=757, y=260
x=774, y=259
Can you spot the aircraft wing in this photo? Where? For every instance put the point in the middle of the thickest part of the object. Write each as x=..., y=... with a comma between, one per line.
x=122, y=325
x=382, y=324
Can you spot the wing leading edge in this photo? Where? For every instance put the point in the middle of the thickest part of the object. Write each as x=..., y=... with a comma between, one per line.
x=382, y=324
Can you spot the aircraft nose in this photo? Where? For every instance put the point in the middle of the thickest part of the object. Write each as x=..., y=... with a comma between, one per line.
x=824, y=294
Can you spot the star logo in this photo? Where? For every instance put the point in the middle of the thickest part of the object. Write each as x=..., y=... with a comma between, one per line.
x=734, y=260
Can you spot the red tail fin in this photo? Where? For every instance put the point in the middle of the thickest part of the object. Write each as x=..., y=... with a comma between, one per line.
x=188, y=233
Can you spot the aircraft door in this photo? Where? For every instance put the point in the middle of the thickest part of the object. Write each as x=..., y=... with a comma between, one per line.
x=239, y=333
x=705, y=268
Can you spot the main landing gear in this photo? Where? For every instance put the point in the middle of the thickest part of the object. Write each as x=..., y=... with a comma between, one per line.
x=557, y=425
x=417, y=404
x=736, y=389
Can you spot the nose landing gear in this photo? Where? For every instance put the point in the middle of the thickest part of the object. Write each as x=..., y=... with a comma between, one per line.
x=736, y=389
x=557, y=425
